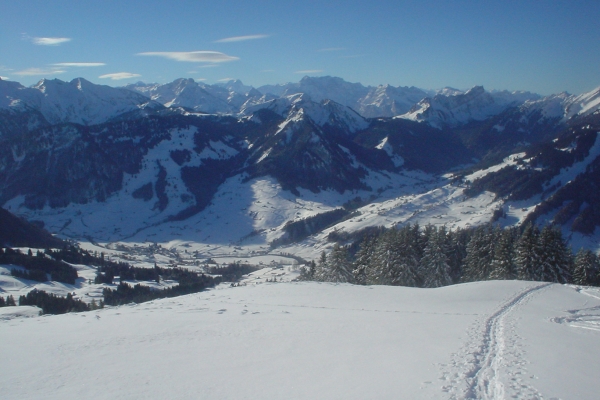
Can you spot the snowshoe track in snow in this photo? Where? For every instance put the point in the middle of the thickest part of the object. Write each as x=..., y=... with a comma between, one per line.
x=587, y=318
x=493, y=347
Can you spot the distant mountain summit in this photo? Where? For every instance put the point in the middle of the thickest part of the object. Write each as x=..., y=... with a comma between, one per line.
x=83, y=158
x=78, y=101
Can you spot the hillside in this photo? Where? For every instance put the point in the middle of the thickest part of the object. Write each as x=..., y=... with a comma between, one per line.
x=485, y=340
x=222, y=170
x=16, y=232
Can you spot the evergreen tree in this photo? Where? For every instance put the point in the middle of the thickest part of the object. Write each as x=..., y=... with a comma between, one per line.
x=321, y=269
x=480, y=253
x=308, y=273
x=435, y=271
x=423, y=238
x=363, y=260
x=503, y=266
x=527, y=260
x=380, y=267
x=406, y=271
x=555, y=257
x=337, y=266
x=457, y=251
x=10, y=301
x=586, y=268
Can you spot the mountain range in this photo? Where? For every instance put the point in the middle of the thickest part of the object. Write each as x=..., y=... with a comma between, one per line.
x=234, y=165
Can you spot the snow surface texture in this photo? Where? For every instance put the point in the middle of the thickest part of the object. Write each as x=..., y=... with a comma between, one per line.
x=484, y=340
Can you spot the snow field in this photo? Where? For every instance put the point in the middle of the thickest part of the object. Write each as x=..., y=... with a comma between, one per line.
x=483, y=340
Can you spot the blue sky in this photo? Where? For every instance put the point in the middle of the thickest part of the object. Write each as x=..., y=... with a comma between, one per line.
x=540, y=46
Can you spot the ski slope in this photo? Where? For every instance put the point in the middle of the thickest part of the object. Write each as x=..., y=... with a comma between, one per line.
x=484, y=340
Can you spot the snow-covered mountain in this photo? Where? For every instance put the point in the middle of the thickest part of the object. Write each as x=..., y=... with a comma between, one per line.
x=565, y=106
x=179, y=165
x=226, y=98
x=451, y=109
x=324, y=112
x=78, y=101
x=370, y=102
x=389, y=101
x=185, y=174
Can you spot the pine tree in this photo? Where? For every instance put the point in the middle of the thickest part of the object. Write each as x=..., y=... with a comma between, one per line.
x=435, y=271
x=382, y=264
x=457, y=251
x=337, y=266
x=503, y=266
x=407, y=259
x=555, y=257
x=321, y=268
x=586, y=268
x=10, y=301
x=363, y=260
x=308, y=273
x=527, y=260
x=480, y=253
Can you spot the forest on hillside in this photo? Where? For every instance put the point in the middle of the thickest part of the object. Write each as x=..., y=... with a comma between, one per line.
x=435, y=256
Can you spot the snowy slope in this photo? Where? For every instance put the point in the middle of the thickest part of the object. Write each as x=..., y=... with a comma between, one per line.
x=184, y=93
x=297, y=107
x=389, y=101
x=370, y=101
x=450, y=108
x=486, y=340
x=564, y=106
x=78, y=101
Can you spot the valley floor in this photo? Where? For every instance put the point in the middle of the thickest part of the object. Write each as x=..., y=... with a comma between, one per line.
x=484, y=340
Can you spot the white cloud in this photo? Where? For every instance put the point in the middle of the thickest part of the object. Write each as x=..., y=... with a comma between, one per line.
x=240, y=38
x=50, y=41
x=79, y=64
x=225, y=80
x=4, y=78
x=39, y=71
x=119, y=75
x=309, y=71
x=332, y=49
x=192, y=56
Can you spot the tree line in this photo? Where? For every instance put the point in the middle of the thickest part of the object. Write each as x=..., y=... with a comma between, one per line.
x=52, y=264
x=435, y=256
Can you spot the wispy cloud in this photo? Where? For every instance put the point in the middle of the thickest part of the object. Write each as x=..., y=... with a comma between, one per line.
x=332, y=49
x=50, y=41
x=240, y=38
x=79, y=64
x=4, y=78
x=119, y=75
x=309, y=71
x=192, y=56
x=39, y=71
x=225, y=80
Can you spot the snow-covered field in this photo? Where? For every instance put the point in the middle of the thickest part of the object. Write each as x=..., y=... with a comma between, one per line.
x=485, y=340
